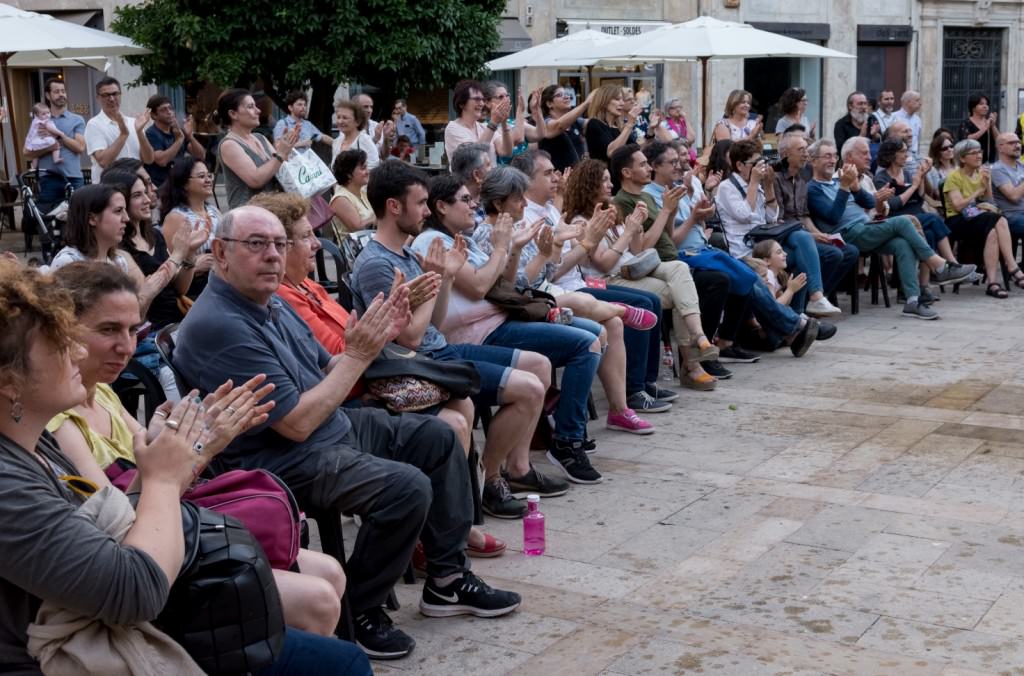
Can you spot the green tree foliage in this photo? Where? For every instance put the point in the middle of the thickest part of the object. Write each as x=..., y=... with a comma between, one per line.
x=397, y=45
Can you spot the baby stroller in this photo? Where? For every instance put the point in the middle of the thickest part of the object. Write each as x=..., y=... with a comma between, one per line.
x=34, y=221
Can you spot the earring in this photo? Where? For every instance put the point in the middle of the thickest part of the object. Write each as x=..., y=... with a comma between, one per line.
x=16, y=410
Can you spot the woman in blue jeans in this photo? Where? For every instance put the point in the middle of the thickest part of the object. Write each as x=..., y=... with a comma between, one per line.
x=576, y=348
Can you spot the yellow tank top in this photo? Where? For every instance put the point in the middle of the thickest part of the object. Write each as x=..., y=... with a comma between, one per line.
x=105, y=449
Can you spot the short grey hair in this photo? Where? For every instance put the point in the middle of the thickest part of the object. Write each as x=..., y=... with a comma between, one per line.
x=851, y=143
x=500, y=184
x=815, y=149
x=225, y=225
x=964, y=147
x=673, y=102
x=909, y=95
x=787, y=139
x=468, y=158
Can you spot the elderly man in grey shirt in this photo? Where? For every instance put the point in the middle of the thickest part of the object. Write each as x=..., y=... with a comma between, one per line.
x=399, y=473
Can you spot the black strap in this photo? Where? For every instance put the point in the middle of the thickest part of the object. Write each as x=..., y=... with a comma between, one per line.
x=743, y=193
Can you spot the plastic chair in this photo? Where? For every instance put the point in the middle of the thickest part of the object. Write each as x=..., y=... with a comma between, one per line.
x=339, y=285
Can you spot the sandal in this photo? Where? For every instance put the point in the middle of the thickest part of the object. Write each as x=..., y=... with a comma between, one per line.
x=701, y=349
x=1018, y=277
x=698, y=380
x=996, y=290
x=492, y=547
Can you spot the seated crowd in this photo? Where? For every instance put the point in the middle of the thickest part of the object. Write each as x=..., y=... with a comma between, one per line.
x=556, y=243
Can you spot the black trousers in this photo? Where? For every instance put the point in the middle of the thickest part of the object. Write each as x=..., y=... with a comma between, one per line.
x=721, y=311
x=407, y=478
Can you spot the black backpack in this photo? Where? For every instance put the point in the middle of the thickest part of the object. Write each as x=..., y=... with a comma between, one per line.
x=224, y=608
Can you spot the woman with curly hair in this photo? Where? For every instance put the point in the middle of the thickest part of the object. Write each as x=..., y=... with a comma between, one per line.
x=587, y=202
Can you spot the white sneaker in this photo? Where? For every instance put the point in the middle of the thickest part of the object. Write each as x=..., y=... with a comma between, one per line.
x=822, y=308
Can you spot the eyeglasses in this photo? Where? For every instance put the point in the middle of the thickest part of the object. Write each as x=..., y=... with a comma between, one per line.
x=752, y=161
x=947, y=147
x=976, y=151
x=499, y=96
x=467, y=199
x=256, y=245
x=560, y=95
x=308, y=237
x=109, y=95
x=476, y=98
x=79, y=485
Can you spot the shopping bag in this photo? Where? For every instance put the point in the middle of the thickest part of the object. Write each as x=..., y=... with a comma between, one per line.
x=305, y=173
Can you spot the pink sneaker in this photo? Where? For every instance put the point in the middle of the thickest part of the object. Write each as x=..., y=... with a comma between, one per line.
x=638, y=318
x=627, y=420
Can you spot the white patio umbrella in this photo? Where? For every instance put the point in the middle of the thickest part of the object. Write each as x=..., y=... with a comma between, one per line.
x=30, y=39
x=563, y=51
x=703, y=39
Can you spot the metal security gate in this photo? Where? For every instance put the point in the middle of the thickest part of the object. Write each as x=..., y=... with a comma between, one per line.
x=971, y=63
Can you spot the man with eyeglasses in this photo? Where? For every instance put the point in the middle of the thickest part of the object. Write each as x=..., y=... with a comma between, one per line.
x=169, y=139
x=1008, y=182
x=405, y=475
x=109, y=136
x=840, y=204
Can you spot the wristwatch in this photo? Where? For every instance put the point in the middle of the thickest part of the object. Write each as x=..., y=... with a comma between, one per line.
x=277, y=156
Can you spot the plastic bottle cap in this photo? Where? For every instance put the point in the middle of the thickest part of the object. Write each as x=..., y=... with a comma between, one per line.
x=532, y=498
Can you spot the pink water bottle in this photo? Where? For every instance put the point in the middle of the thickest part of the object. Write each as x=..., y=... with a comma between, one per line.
x=533, y=527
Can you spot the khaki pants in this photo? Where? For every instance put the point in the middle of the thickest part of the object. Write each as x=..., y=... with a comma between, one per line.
x=672, y=282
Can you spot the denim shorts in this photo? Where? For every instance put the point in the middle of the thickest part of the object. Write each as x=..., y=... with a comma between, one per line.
x=495, y=364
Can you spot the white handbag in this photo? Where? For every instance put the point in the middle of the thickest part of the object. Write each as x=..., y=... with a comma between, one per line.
x=305, y=173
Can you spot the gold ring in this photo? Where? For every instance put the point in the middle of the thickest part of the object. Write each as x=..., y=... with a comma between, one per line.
x=173, y=424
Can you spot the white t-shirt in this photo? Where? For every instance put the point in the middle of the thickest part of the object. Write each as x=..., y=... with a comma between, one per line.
x=101, y=132
x=70, y=254
x=572, y=280
x=455, y=134
x=362, y=142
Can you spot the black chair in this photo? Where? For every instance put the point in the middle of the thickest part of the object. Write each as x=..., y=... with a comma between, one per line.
x=164, y=340
x=340, y=284
x=142, y=385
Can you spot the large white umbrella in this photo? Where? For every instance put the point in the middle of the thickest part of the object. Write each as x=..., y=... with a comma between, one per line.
x=31, y=39
x=563, y=51
x=703, y=39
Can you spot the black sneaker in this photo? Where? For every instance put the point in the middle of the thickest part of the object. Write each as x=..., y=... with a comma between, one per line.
x=498, y=500
x=467, y=596
x=736, y=355
x=804, y=338
x=570, y=457
x=645, y=402
x=590, y=445
x=537, y=483
x=716, y=369
x=659, y=393
x=377, y=635
x=826, y=330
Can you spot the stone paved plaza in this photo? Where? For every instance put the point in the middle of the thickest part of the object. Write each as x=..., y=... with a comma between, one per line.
x=855, y=512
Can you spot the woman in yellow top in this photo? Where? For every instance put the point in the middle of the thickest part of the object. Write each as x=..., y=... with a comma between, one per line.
x=973, y=219
x=351, y=209
x=100, y=431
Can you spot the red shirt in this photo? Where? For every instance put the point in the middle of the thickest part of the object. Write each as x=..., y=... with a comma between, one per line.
x=325, y=317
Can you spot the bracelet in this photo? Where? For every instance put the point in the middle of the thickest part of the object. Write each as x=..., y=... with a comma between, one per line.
x=490, y=125
x=621, y=253
x=187, y=265
x=180, y=265
x=277, y=157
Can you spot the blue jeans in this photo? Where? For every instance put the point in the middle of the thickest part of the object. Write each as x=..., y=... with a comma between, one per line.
x=643, y=348
x=778, y=320
x=803, y=257
x=306, y=654
x=836, y=264
x=565, y=346
x=493, y=363
x=1015, y=220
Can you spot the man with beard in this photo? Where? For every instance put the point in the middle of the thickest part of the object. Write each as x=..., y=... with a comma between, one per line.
x=53, y=176
x=298, y=109
x=858, y=121
x=886, y=109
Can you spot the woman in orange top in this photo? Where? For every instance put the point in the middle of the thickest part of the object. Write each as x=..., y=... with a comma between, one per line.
x=328, y=320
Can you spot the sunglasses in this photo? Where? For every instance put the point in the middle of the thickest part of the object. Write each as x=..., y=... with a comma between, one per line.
x=79, y=485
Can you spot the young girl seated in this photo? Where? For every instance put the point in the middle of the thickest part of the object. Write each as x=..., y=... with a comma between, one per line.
x=768, y=259
x=36, y=140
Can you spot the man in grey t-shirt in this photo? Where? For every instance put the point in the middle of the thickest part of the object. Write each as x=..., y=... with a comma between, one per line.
x=1008, y=182
x=406, y=475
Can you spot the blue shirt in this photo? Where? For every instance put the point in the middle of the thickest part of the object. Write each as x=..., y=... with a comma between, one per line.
x=374, y=272
x=694, y=240
x=71, y=125
x=835, y=210
x=409, y=125
x=308, y=132
x=161, y=140
x=226, y=335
